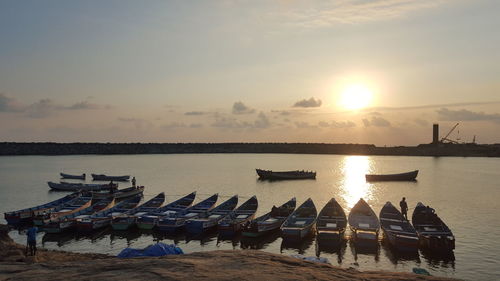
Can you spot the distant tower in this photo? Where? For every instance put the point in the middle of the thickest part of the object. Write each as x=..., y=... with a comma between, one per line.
x=435, y=133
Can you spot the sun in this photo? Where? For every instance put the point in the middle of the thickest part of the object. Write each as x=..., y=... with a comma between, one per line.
x=356, y=96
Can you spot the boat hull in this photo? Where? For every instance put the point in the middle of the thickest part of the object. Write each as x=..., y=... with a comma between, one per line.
x=296, y=233
x=410, y=176
x=123, y=223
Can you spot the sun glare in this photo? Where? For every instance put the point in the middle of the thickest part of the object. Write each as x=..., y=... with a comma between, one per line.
x=356, y=96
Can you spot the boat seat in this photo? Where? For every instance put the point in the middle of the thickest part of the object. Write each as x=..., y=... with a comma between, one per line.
x=427, y=228
x=242, y=217
x=191, y=215
x=329, y=224
x=300, y=222
x=364, y=225
x=65, y=210
x=271, y=220
x=214, y=216
x=395, y=227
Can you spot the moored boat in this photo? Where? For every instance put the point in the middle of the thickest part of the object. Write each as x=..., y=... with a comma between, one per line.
x=234, y=221
x=70, y=186
x=301, y=222
x=118, y=194
x=73, y=177
x=271, y=221
x=433, y=233
x=364, y=223
x=150, y=219
x=285, y=175
x=127, y=219
x=102, y=177
x=72, y=206
x=408, y=176
x=332, y=222
x=210, y=219
x=398, y=231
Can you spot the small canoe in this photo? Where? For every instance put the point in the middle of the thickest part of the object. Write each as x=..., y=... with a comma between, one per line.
x=118, y=194
x=363, y=222
x=128, y=219
x=301, y=223
x=102, y=177
x=177, y=221
x=69, y=186
x=285, y=175
x=408, y=176
x=210, y=219
x=398, y=231
x=72, y=177
x=150, y=219
x=433, y=233
x=332, y=222
x=26, y=215
x=72, y=206
x=234, y=221
x=270, y=221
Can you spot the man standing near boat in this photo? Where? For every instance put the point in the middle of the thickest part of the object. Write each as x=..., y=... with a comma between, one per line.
x=31, y=233
x=404, y=208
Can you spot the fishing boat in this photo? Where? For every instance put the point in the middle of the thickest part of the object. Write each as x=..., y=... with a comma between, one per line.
x=398, y=231
x=271, y=221
x=150, y=220
x=69, y=186
x=103, y=218
x=408, y=176
x=235, y=220
x=285, y=175
x=72, y=206
x=332, y=222
x=118, y=194
x=364, y=223
x=177, y=221
x=432, y=232
x=127, y=219
x=27, y=214
x=102, y=177
x=72, y=177
x=67, y=222
x=301, y=222
x=210, y=219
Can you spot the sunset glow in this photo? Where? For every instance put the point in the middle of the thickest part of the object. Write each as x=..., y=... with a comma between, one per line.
x=356, y=96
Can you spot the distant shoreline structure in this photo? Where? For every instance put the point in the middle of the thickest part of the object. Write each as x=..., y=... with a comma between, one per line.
x=52, y=148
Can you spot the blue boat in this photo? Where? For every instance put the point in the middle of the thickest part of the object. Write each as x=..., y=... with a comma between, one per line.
x=149, y=220
x=301, y=222
x=210, y=219
x=128, y=219
x=235, y=220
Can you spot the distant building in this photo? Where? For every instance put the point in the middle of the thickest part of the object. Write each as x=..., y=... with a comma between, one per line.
x=435, y=133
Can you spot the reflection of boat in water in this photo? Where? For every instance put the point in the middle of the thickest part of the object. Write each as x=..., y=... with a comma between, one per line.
x=396, y=256
x=433, y=233
x=408, y=176
x=370, y=249
x=60, y=239
x=205, y=238
x=364, y=223
x=398, y=231
x=439, y=259
x=338, y=248
x=285, y=175
x=331, y=222
x=261, y=242
x=300, y=246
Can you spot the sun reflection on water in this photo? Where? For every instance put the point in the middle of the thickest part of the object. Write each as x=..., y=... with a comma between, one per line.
x=354, y=185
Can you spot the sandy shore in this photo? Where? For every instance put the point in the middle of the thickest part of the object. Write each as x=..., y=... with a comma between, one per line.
x=214, y=265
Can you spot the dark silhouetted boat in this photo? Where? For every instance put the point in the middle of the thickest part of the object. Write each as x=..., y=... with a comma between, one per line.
x=301, y=222
x=69, y=186
x=128, y=219
x=285, y=175
x=271, y=221
x=118, y=194
x=364, y=223
x=408, y=176
x=72, y=206
x=398, y=231
x=102, y=177
x=332, y=222
x=234, y=221
x=73, y=177
x=150, y=220
x=433, y=233
x=210, y=219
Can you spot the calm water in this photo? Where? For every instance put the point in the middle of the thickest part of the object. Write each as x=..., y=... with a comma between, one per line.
x=464, y=192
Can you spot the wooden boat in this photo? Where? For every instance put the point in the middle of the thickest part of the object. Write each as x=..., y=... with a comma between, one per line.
x=332, y=222
x=364, y=223
x=398, y=231
x=67, y=222
x=72, y=206
x=69, y=186
x=177, y=221
x=432, y=232
x=235, y=220
x=103, y=218
x=210, y=219
x=150, y=220
x=270, y=221
x=73, y=177
x=127, y=219
x=118, y=194
x=102, y=177
x=301, y=222
x=408, y=176
x=26, y=215
x=285, y=175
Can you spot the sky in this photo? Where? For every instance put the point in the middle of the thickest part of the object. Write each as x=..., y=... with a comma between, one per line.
x=347, y=71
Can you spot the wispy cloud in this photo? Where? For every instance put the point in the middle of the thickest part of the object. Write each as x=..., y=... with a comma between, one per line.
x=430, y=106
x=241, y=108
x=376, y=121
x=445, y=114
x=8, y=104
x=337, y=125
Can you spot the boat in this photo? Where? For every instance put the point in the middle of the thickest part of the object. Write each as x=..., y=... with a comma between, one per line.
x=72, y=206
x=408, y=176
x=210, y=219
x=67, y=222
x=432, y=232
x=102, y=177
x=150, y=219
x=301, y=222
x=332, y=222
x=271, y=221
x=69, y=186
x=118, y=194
x=364, y=223
x=103, y=218
x=72, y=177
x=177, y=221
x=398, y=231
x=27, y=214
x=285, y=175
x=127, y=219
x=234, y=221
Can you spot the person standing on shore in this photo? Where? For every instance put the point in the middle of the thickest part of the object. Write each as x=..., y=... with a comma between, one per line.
x=31, y=239
x=133, y=181
x=404, y=208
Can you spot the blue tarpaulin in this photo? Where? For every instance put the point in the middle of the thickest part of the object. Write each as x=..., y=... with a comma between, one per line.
x=156, y=250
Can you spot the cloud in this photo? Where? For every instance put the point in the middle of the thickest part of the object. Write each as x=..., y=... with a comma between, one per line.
x=445, y=114
x=376, y=121
x=312, y=102
x=241, y=108
x=41, y=109
x=430, y=106
x=195, y=113
x=137, y=122
x=304, y=125
x=174, y=125
x=8, y=104
x=338, y=125
x=261, y=122
x=83, y=105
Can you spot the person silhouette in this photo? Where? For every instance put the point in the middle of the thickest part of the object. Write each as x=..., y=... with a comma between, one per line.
x=404, y=208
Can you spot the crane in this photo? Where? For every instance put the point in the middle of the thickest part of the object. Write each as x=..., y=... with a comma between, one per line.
x=445, y=138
